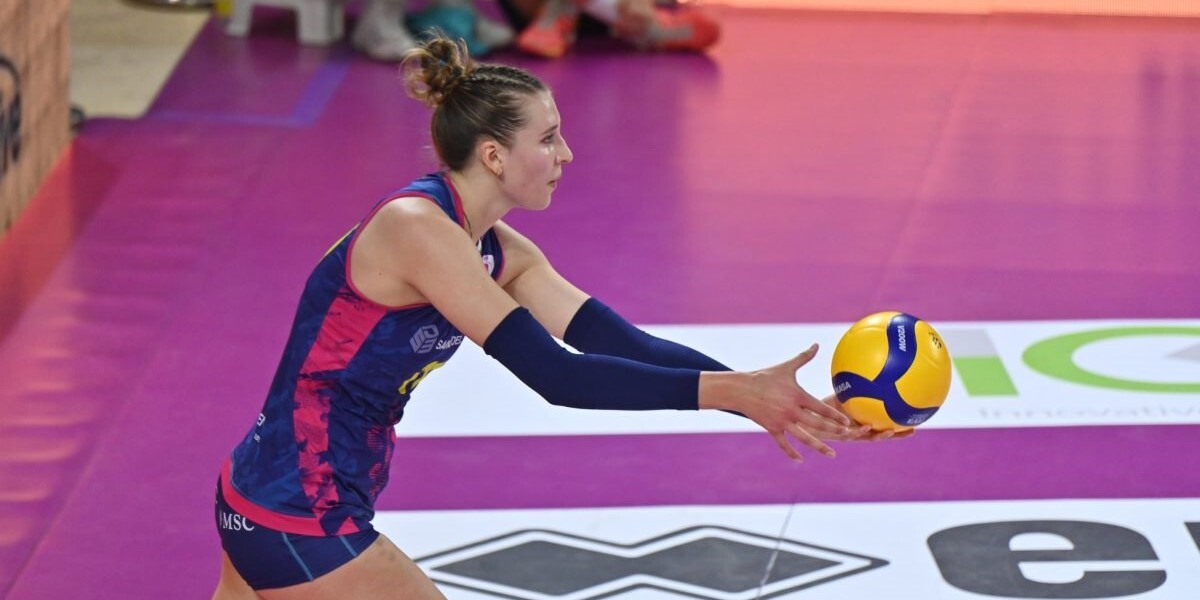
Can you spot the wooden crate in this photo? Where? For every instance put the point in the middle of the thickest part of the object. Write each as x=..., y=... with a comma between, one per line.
x=33, y=38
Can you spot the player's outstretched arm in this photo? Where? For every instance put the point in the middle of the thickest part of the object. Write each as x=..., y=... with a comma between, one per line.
x=774, y=400
x=584, y=323
x=439, y=261
x=598, y=329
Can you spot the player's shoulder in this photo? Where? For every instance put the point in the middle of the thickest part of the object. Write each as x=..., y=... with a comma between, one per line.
x=411, y=226
x=413, y=211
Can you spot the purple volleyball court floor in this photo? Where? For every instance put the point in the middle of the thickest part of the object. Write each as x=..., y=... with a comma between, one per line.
x=813, y=168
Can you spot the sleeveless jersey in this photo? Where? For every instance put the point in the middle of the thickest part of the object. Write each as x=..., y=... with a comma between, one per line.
x=318, y=455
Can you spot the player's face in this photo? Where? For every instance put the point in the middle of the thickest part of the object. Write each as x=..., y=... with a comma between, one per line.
x=535, y=162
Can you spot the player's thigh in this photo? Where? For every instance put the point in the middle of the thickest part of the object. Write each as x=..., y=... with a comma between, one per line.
x=381, y=571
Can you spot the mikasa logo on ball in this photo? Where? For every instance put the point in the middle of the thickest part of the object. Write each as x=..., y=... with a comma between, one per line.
x=903, y=339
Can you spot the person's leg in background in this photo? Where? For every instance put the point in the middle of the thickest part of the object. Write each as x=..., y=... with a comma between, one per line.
x=380, y=32
x=553, y=24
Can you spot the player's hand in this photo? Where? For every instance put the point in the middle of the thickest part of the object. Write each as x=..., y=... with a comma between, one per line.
x=780, y=406
x=858, y=432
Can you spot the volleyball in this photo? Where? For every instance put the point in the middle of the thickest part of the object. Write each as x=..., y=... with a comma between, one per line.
x=891, y=370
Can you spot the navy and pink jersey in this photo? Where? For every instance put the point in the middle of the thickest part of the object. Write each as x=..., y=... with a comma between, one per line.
x=318, y=455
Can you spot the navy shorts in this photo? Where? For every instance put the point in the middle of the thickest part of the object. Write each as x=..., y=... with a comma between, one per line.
x=268, y=558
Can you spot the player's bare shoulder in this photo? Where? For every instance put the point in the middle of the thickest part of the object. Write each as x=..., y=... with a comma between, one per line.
x=410, y=212
x=406, y=234
x=414, y=226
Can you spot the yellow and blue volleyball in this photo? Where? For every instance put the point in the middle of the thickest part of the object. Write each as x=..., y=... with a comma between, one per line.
x=891, y=371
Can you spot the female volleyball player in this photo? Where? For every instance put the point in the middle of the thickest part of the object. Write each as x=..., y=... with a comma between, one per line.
x=390, y=302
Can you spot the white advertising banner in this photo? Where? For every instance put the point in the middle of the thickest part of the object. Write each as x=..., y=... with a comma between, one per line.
x=896, y=551
x=1006, y=374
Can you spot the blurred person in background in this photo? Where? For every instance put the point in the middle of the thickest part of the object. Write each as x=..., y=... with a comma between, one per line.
x=550, y=27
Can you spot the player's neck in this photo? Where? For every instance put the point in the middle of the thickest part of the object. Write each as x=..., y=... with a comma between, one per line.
x=483, y=202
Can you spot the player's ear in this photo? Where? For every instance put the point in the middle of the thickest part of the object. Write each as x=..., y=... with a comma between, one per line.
x=491, y=154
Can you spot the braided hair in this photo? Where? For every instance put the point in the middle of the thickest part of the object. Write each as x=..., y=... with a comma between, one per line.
x=470, y=100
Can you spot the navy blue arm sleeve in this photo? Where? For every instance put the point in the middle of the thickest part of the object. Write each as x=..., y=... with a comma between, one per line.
x=597, y=329
x=594, y=381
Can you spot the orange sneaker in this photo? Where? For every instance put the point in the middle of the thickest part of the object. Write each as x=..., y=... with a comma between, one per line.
x=549, y=37
x=682, y=29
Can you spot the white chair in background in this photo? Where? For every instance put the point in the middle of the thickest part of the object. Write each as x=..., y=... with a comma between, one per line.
x=320, y=22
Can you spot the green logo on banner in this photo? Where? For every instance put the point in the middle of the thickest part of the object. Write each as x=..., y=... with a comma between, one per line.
x=1055, y=357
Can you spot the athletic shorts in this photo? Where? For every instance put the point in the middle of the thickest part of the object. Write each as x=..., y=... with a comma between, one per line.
x=268, y=558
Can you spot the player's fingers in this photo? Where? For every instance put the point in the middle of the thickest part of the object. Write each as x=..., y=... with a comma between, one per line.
x=890, y=434
x=804, y=437
x=858, y=433
x=787, y=448
x=823, y=409
x=823, y=427
x=803, y=358
x=832, y=400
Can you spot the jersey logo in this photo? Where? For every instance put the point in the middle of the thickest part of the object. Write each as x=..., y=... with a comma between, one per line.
x=423, y=340
x=489, y=263
x=235, y=522
x=450, y=343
